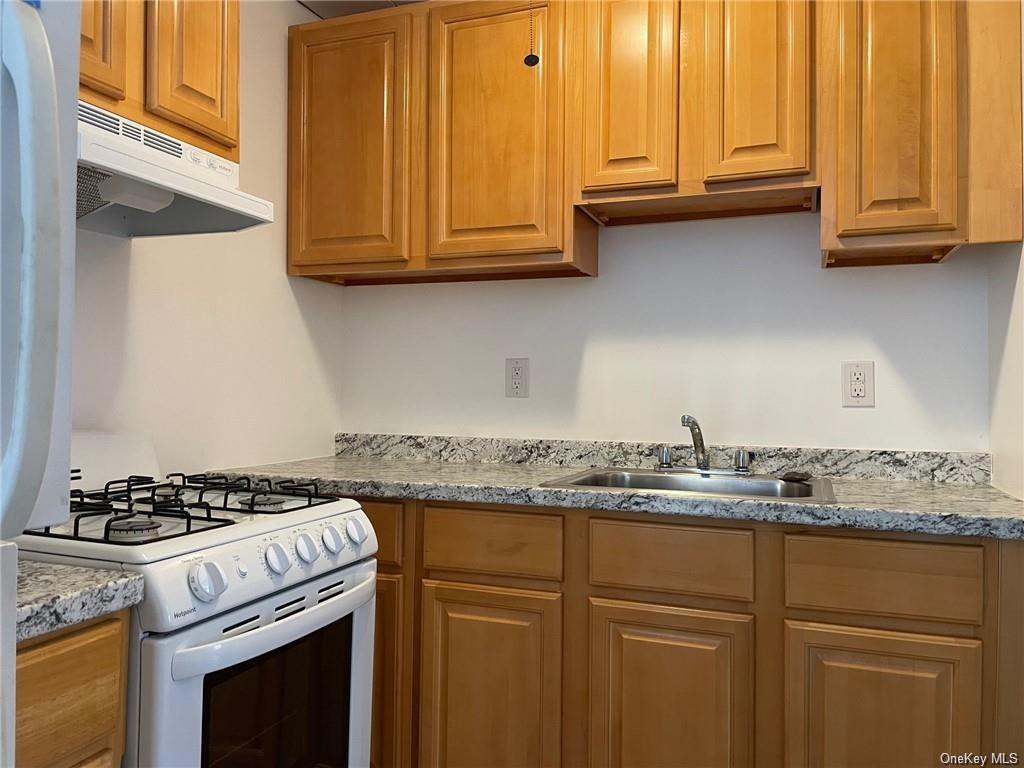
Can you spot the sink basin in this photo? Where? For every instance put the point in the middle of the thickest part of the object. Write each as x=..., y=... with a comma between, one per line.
x=712, y=484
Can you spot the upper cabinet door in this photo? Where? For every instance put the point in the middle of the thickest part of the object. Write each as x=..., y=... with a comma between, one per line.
x=630, y=93
x=495, y=129
x=349, y=159
x=192, y=65
x=897, y=131
x=103, y=51
x=757, y=114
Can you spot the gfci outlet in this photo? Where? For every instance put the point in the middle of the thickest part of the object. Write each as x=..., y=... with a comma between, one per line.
x=517, y=377
x=859, y=384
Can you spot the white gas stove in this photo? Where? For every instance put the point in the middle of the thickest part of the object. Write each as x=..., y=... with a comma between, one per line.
x=258, y=613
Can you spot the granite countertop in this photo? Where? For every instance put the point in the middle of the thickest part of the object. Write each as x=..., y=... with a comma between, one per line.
x=878, y=504
x=51, y=597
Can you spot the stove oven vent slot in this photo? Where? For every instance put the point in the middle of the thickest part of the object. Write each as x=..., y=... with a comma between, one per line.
x=330, y=591
x=290, y=608
x=242, y=627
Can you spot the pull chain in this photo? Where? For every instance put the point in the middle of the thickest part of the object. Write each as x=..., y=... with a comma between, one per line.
x=531, y=59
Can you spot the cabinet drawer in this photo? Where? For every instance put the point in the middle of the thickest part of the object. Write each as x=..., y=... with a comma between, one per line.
x=386, y=519
x=672, y=558
x=504, y=543
x=942, y=582
x=69, y=696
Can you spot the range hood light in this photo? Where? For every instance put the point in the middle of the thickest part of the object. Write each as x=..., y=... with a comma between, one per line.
x=135, y=194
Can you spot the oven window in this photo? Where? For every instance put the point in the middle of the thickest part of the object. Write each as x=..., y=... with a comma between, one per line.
x=288, y=707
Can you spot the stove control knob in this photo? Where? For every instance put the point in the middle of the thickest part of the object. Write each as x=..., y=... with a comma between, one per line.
x=356, y=531
x=332, y=539
x=207, y=580
x=277, y=558
x=306, y=548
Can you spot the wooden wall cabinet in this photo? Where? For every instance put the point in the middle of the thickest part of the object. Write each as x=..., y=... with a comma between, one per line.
x=693, y=109
x=351, y=163
x=104, y=47
x=70, y=698
x=542, y=637
x=171, y=65
x=920, y=146
x=192, y=65
x=631, y=96
x=422, y=148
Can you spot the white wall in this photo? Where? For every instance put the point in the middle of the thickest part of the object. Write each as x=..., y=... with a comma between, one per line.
x=730, y=320
x=1006, y=360
x=202, y=341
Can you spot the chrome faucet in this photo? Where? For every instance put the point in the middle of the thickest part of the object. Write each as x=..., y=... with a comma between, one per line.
x=700, y=453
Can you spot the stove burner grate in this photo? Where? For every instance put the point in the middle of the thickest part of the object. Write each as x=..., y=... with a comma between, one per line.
x=134, y=528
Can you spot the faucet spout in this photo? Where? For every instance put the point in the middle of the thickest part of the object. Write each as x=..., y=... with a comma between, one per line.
x=700, y=453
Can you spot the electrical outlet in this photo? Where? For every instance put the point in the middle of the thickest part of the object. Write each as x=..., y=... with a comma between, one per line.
x=517, y=377
x=859, y=384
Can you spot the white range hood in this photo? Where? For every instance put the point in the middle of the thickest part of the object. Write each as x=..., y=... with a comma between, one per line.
x=137, y=182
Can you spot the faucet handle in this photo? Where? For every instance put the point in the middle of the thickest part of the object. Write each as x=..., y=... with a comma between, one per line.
x=741, y=460
x=665, y=457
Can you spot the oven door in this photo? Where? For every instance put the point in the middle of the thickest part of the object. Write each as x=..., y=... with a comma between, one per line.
x=284, y=681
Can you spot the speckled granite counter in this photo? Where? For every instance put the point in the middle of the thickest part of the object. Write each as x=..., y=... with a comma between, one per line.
x=886, y=505
x=51, y=597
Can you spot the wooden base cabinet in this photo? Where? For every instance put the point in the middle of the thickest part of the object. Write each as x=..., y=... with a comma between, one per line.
x=543, y=637
x=388, y=673
x=70, y=696
x=670, y=686
x=491, y=677
x=857, y=696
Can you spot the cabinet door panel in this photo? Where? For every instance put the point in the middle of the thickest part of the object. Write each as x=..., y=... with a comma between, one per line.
x=388, y=673
x=103, y=51
x=70, y=697
x=857, y=697
x=669, y=686
x=491, y=677
x=495, y=129
x=192, y=65
x=897, y=132
x=630, y=103
x=350, y=127
x=757, y=115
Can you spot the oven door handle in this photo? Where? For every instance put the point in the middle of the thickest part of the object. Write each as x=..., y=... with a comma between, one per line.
x=203, y=659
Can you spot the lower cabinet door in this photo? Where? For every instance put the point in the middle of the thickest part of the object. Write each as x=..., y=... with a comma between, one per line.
x=867, y=697
x=669, y=686
x=386, y=742
x=491, y=677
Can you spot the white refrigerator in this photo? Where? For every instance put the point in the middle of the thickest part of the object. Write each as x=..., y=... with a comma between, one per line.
x=39, y=42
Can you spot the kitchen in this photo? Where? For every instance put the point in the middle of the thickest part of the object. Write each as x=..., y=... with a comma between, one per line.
x=521, y=619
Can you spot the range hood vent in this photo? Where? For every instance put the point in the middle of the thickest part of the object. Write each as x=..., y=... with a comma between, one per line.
x=202, y=188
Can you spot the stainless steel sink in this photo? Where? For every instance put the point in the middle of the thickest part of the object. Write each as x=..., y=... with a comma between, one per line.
x=699, y=483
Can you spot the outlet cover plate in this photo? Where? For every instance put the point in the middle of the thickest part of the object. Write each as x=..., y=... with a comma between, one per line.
x=517, y=377
x=859, y=384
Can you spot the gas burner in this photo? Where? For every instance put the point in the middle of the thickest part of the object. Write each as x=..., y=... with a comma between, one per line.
x=262, y=502
x=134, y=529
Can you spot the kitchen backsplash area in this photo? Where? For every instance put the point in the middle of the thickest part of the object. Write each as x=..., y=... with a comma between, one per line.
x=962, y=467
